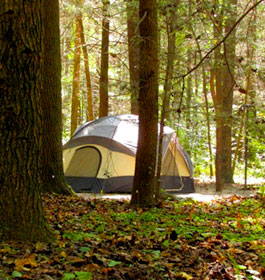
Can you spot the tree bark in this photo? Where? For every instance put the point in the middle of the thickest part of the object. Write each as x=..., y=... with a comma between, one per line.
x=227, y=89
x=224, y=65
x=188, y=103
x=104, y=68
x=250, y=85
x=165, y=115
x=144, y=179
x=53, y=176
x=218, y=98
x=89, y=111
x=75, y=110
x=171, y=56
x=204, y=87
x=189, y=86
x=21, y=60
x=134, y=53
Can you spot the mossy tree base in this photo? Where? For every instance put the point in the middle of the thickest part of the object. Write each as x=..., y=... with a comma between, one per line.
x=17, y=233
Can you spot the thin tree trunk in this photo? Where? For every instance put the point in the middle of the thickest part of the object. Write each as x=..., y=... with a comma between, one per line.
x=53, y=176
x=75, y=112
x=134, y=52
x=218, y=100
x=67, y=62
x=242, y=122
x=212, y=85
x=171, y=57
x=207, y=121
x=189, y=86
x=240, y=136
x=104, y=68
x=195, y=127
x=204, y=82
x=21, y=60
x=250, y=89
x=188, y=101
x=224, y=98
x=227, y=88
x=165, y=114
x=89, y=110
x=144, y=179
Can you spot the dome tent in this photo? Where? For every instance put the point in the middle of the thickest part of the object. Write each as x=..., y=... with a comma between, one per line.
x=100, y=157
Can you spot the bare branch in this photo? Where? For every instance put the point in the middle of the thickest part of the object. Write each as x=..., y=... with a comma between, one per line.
x=223, y=40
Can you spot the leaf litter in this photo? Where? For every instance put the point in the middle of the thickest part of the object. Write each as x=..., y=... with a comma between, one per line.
x=108, y=239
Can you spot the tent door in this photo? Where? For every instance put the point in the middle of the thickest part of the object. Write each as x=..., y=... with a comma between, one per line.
x=84, y=166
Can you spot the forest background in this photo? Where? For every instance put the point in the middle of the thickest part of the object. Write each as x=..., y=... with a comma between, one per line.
x=211, y=90
x=211, y=74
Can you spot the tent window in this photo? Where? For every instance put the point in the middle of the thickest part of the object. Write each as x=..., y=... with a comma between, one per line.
x=84, y=163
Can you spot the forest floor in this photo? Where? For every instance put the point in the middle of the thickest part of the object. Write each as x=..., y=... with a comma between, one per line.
x=204, y=190
x=180, y=239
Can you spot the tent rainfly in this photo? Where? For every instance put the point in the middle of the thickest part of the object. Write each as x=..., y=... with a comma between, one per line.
x=100, y=157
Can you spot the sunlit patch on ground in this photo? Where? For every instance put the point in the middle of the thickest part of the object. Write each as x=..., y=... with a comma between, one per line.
x=204, y=190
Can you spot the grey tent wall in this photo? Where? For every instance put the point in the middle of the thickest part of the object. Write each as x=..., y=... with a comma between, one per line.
x=123, y=184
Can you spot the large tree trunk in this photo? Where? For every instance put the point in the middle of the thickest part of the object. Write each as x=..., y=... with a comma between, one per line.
x=144, y=179
x=134, y=52
x=21, y=60
x=75, y=110
x=103, y=89
x=53, y=176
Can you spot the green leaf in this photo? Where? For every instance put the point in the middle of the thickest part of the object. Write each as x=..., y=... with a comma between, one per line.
x=74, y=236
x=113, y=263
x=155, y=253
x=84, y=249
x=16, y=274
x=100, y=228
x=207, y=234
x=242, y=267
x=82, y=275
x=166, y=243
x=67, y=276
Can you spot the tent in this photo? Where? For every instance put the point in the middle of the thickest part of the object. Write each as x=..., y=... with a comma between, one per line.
x=100, y=157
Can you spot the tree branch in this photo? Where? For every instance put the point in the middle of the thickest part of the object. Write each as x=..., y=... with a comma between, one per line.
x=222, y=41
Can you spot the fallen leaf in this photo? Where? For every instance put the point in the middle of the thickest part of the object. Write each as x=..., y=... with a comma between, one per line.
x=29, y=261
x=184, y=275
x=113, y=263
